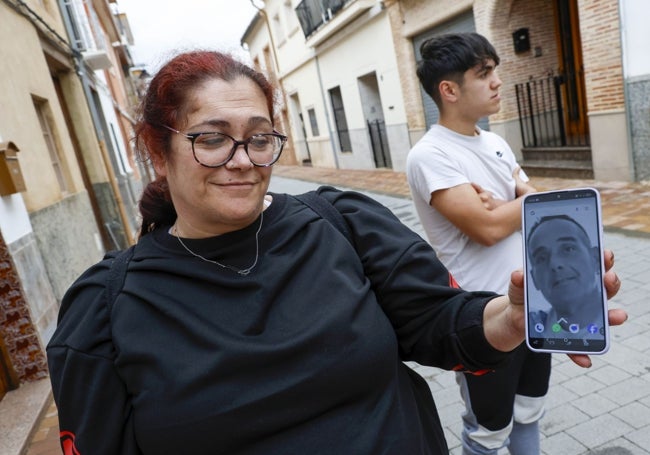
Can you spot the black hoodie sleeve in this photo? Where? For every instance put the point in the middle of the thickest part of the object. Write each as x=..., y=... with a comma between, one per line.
x=93, y=404
x=437, y=324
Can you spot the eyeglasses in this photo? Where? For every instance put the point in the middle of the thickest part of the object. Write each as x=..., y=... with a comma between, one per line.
x=216, y=149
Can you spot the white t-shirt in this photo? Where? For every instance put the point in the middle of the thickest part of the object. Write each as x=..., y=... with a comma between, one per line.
x=443, y=159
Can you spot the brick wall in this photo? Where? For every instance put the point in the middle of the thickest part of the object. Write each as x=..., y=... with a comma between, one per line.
x=497, y=21
x=601, y=43
x=406, y=57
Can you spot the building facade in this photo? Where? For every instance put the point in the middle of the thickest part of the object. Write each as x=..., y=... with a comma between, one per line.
x=342, y=86
x=572, y=82
x=59, y=208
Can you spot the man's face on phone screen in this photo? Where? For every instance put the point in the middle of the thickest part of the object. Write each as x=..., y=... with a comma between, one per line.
x=563, y=262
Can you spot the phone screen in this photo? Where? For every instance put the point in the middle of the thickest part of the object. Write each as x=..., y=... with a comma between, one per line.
x=565, y=298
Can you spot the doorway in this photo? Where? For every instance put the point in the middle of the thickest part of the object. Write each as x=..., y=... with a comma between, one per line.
x=302, y=145
x=571, y=71
x=9, y=288
x=8, y=379
x=373, y=113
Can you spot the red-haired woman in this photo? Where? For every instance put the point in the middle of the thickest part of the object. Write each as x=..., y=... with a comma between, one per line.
x=249, y=324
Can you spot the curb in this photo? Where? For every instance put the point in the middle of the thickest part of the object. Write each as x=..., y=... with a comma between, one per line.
x=20, y=412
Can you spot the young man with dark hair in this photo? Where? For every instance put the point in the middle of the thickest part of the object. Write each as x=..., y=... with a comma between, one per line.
x=467, y=188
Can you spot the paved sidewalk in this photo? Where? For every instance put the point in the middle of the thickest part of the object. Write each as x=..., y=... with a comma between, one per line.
x=604, y=410
x=626, y=206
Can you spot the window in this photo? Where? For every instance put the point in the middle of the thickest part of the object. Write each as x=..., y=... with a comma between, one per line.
x=42, y=111
x=340, y=119
x=313, y=122
x=290, y=17
x=278, y=29
x=314, y=13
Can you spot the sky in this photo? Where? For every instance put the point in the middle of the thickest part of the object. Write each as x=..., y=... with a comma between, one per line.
x=162, y=28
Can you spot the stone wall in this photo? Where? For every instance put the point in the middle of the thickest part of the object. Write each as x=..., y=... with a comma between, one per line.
x=68, y=239
x=638, y=90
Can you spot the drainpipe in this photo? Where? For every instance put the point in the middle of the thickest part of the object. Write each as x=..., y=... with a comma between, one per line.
x=260, y=9
x=276, y=62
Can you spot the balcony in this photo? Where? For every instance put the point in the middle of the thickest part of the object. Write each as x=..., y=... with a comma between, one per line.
x=321, y=19
x=86, y=33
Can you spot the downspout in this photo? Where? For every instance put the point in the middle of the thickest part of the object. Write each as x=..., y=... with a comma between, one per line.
x=276, y=62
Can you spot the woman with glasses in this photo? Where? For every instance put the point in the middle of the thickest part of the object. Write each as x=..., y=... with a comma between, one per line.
x=245, y=322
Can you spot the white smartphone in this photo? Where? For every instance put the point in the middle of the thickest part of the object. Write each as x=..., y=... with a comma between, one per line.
x=564, y=291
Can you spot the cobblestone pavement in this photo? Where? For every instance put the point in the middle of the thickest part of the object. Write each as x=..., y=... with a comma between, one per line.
x=603, y=410
x=625, y=205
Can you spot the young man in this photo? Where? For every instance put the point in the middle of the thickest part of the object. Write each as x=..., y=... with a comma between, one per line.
x=467, y=190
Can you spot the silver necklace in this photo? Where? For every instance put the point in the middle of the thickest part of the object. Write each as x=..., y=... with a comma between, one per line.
x=242, y=272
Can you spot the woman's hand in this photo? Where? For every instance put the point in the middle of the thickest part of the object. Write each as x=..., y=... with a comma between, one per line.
x=504, y=318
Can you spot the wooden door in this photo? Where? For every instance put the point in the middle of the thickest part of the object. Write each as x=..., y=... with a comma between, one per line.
x=8, y=379
x=571, y=69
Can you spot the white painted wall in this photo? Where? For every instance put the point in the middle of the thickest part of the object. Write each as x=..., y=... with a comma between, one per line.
x=14, y=220
x=305, y=81
x=636, y=37
x=369, y=49
x=108, y=110
x=359, y=49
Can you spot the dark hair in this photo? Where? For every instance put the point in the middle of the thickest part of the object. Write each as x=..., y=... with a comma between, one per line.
x=447, y=57
x=164, y=104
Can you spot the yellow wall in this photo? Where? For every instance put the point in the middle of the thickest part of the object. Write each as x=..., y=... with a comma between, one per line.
x=25, y=77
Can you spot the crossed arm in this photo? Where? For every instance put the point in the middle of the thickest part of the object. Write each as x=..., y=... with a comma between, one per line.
x=477, y=214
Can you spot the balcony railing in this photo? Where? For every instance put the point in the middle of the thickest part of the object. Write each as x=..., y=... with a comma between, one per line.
x=314, y=13
x=87, y=36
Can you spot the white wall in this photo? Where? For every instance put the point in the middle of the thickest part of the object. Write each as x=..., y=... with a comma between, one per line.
x=636, y=37
x=362, y=47
x=359, y=51
x=369, y=49
x=305, y=82
x=108, y=110
x=14, y=220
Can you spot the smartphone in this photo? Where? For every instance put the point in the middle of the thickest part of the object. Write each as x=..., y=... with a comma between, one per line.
x=564, y=291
